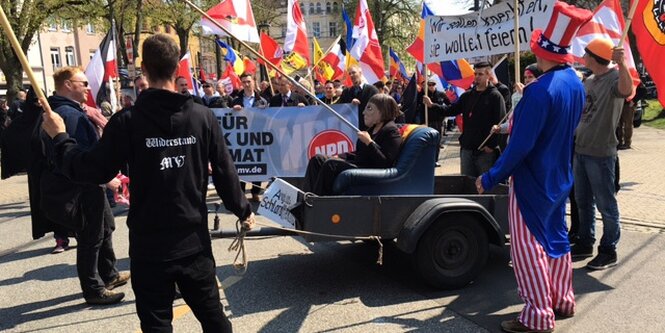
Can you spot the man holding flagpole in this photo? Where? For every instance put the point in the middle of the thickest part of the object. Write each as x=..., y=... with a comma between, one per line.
x=539, y=160
x=168, y=142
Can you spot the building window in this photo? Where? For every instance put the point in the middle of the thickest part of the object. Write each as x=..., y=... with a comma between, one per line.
x=311, y=9
x=335, y=7
x=328, y=8
x=302, y=8
x=55, y=58
x=66, y=26
x=53, y=25
x=332, y=28
x=90, y=28
x=69, y=56
x=316, y=27
x=318, y=8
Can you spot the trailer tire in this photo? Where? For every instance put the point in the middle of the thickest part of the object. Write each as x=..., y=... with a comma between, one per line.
x=452, y=252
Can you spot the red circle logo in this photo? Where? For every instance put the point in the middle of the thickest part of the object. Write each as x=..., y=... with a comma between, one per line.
x=329, y=143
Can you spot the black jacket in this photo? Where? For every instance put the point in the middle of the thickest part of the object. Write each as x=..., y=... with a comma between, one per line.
x=435, y=113
x=480, y=110
x=258, y=101
x=167, y=140
x=363, y=95
x=382, y=153
x=293, y=100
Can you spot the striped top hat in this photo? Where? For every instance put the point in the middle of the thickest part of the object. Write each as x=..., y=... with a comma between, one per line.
x=554, y=43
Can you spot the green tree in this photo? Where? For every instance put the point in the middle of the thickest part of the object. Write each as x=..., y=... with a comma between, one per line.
x=26, y=18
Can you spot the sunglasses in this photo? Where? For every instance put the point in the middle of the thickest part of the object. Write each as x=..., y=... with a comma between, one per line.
x=431, y=84
x=206, y=86
x=85, y=83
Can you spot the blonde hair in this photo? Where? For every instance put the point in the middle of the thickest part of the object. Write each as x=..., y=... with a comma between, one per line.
x=64, y=74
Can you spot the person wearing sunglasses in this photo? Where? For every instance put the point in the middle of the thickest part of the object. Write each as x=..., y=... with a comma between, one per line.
x=95, y=258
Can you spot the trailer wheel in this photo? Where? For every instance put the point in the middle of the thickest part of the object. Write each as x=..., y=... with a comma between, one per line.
x=452, y=252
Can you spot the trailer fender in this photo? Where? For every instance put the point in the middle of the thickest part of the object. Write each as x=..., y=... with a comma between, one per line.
x=429, y=211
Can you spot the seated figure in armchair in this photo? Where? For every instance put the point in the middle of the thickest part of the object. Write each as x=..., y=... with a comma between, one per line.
x=378, y=147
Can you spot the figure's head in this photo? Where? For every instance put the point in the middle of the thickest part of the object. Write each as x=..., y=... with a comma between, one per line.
x=598, y=53
x=161, y=56
x=531, y=72
x=329, y=89
x=381, y=108
x=72, y=83
x=207, y=88
x=140, y=84
x=482, y=72
x=356, y=75
x=181, y=85
x=247, y=81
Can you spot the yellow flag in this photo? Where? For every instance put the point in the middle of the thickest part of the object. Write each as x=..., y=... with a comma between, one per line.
x=293, y=62
x=318, y=53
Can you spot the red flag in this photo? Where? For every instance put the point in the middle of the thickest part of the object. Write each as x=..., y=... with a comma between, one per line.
x=271, y=50
x=607, y=22
x=366, y=48
x=230, y=74
x=649, y=29
x=202, y=75
x=250, y=67
x=185, y=71
x=236, y=16
x=100, y=73
x=336, y=58
x=296, y=32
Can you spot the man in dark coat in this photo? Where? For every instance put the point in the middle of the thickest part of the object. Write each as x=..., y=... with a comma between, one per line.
x=358, y=94
x=287, y=97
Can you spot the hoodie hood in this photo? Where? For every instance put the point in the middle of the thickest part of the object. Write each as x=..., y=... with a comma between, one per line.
x=154, y=103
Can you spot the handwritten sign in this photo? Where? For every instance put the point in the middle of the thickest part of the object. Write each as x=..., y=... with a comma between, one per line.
x=277, y=200
x=471, y=35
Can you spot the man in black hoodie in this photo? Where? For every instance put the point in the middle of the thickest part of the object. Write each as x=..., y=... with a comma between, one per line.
x=167, y=140
x=482, y=106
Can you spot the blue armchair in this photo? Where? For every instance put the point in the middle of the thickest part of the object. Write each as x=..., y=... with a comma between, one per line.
x=413, y=172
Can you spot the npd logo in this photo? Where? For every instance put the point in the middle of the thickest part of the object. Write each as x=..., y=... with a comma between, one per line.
x=329, y=142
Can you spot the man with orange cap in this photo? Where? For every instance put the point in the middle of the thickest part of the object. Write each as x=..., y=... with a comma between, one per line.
x=538, y=159
x=596, y=151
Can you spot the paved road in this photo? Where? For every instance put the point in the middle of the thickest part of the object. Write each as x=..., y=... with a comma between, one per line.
x=292, y=286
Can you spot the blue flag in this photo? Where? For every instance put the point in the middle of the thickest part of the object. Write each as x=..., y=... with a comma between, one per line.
x=349, y=29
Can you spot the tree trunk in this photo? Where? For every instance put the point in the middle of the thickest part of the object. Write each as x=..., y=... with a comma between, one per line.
x=183, y=37
x=137, y=28
x=14, y=76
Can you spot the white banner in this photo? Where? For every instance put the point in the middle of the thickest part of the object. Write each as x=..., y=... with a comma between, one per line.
x=279, y=197
x=471, y=35
x=278, y=142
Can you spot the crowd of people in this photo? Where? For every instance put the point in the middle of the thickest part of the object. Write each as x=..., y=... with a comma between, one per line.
x=562, y=131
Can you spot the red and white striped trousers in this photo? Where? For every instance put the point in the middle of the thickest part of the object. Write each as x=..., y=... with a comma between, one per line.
x=545, y=284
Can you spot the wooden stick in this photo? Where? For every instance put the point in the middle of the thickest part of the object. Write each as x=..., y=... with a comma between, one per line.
x=9, y=32
x=629, y=21
x=259, y=55
x=517, y=43
x=491, y=133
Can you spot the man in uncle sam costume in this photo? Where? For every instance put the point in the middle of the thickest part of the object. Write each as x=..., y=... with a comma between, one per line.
x=539, y=159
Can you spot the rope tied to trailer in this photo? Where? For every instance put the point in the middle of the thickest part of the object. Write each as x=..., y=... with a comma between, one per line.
x=238, y=244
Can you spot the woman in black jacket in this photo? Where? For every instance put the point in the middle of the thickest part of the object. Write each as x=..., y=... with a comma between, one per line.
x=376, y=148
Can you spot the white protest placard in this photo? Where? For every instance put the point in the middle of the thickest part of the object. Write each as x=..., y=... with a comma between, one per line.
x=278, y=142
x=277, y=200
x=471, y=35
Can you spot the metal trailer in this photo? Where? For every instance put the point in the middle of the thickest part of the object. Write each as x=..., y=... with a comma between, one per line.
x=448, y=233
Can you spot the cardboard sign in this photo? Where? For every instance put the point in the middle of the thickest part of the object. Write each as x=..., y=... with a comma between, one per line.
x=277, y=200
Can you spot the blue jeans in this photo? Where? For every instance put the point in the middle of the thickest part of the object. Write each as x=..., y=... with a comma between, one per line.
x=476, y=162
x=594, y=186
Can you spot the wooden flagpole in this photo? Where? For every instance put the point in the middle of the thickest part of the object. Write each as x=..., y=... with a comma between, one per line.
x=259, y=55
x=517, y=44
x=629, y=21
x=9, y=32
